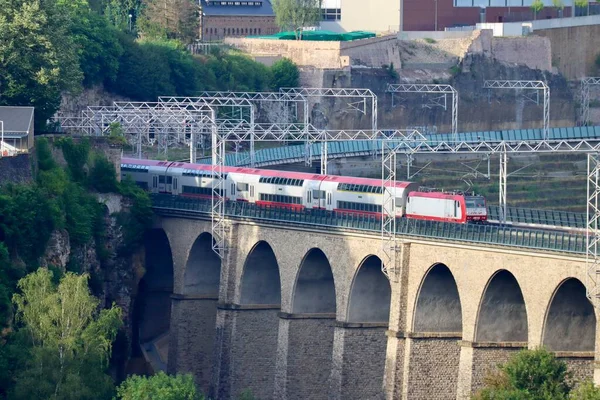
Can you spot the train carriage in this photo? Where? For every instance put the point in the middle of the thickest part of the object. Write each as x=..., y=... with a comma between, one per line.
x=295, y=190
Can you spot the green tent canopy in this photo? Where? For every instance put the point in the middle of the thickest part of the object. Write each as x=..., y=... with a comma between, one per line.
x=321, y=36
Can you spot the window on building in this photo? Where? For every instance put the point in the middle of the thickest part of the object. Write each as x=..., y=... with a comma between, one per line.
x=331, y=14
x=237, y=3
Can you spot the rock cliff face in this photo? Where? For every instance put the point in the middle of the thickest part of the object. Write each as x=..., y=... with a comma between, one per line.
x=114, y=274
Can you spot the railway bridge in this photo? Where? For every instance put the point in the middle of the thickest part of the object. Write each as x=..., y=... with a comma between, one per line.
x=298, y=308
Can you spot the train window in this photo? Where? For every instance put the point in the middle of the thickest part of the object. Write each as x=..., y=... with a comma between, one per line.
x=318, y=194
x=169, y=180
x=398, y=202
x=154, y=181
x=175, y=183
x=233, y=188
x=242, y=187
x=161, y=179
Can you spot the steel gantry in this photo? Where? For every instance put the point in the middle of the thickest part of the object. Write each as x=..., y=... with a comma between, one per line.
x=148, y=123
x=585, y=97
x=531, y=85
x=235, y=104
x=442, y=90
x=364, y=96
x=592, y=229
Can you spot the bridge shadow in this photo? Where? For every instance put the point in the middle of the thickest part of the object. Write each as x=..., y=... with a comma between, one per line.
x=151, y=313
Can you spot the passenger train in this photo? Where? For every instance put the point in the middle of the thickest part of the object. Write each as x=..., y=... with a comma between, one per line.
x=296, y=190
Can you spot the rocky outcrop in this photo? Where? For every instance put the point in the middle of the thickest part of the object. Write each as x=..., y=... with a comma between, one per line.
x=58, y=250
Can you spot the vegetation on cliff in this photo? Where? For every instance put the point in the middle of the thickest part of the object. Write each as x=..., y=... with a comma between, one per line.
x=42, y=355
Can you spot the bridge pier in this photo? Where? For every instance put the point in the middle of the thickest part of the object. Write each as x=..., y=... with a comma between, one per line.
x=246, y=350
x=477, y=360
x=191, y=344
x=359, y=351
x=304, y=356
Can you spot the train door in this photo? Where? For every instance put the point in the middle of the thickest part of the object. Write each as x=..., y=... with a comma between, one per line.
x=165, y=184
x=252, y=194
x=175, y=188
x=154, y=188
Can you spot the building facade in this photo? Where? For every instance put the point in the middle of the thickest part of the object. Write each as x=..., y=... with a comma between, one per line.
x=222, y=19
x=430, y=15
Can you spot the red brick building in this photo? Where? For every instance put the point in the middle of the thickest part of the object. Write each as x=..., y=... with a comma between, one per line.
x=420, y=15
x=229, y=18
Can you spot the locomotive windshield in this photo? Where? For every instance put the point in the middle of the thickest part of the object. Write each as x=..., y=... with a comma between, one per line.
x=475, y=201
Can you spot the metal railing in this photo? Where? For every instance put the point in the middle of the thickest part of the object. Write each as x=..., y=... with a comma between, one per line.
x=483, y=234
x=540, y=217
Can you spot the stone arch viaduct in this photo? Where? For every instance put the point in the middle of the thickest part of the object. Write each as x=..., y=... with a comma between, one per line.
x=291, y=313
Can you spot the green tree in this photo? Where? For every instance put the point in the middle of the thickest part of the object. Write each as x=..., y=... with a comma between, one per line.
x=293, y=15
x=38, y=59
x=159, y=386
x=559, y=5
x=586, y=391
x=71, y=341
x=536, y=7
x=103, y=175
x=581, y=3
x=531, y=374
x=285, y=74
x=170, y=19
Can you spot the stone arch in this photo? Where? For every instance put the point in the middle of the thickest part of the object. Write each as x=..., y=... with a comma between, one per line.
x=570, y=319
x=261, y=283
x=438, y=307
x=502, y=314
x=203, y=268
x=370, y=293
x=152, y=305
x=314, y=290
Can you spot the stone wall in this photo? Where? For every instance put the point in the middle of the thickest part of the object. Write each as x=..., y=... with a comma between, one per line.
x=436, y=358
x=486, y=360
x=253, y=353
x=192, y=338
x=372, y=52
x=582, y=367
x=361, y=362
x=309, y=351
x=574, y=49
x=531, y=51
x=16, y=169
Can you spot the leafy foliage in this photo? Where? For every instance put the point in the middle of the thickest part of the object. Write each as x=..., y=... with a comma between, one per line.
x=103, y=176
x=37, y=57
x=139, y=217
x=76, y=155
x=71, y=340
x=285, y=74
x=170, y=19
x=293, y=15
x=586, y=391
x=537, y=6
x=558, y=4
x=531, y=374
x=159, y=386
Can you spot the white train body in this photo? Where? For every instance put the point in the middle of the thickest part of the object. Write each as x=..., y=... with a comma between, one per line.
x=295, y=190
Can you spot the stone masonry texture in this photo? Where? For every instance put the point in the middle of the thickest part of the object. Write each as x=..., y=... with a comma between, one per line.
x=363, y=363
x=487, y=360
x=194, y=336
x=433, y=370
x=253, y=353
x=309, y=358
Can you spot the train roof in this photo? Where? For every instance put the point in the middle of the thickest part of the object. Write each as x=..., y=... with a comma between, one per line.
x=436, y=195
x=263, y=172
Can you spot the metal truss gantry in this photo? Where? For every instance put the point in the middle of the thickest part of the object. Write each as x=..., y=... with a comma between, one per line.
x=532, y=85
x=149, y=123
x=364, y=96
x=441, y=100
x=236, y=105
x=592, y=229
x=585, y=97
